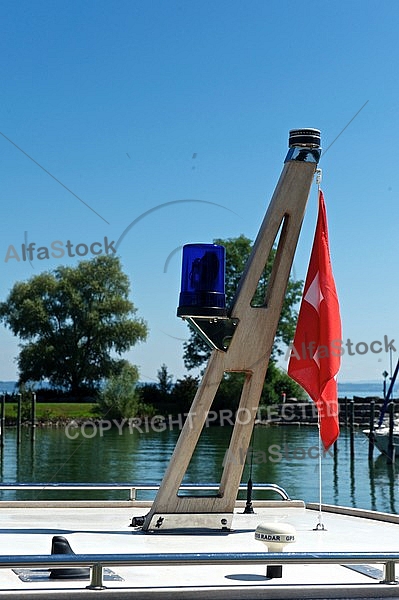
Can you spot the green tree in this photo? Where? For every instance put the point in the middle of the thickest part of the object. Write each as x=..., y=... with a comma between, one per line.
x=229, y=392
x=165, y=380
x=278, y=383
x=196, y=351
x=183, y=393
x=119, y=398
x=159, y=394
x=71, y=320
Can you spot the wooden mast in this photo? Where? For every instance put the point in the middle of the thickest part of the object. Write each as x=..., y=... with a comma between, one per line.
x=248, y=352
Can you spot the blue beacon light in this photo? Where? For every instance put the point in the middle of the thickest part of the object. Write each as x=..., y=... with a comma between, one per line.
x=202, y=301
x=202, y=282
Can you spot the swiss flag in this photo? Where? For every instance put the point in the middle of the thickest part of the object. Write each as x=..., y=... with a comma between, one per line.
x=316, y=351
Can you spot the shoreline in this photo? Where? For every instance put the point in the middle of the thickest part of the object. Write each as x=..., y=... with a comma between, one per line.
x=356, y=411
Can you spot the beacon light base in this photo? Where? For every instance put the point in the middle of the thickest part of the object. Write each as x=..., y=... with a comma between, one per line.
x=217, y=332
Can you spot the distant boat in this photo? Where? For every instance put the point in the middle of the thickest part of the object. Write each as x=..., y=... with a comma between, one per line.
x=381, y=438
x=381, y=433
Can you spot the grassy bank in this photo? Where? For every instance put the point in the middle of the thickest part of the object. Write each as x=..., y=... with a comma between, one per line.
x=53, y=411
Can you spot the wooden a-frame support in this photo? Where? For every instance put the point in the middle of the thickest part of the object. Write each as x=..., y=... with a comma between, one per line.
x=248, y=352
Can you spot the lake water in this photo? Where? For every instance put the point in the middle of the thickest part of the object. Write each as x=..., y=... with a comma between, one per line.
x=284, y=455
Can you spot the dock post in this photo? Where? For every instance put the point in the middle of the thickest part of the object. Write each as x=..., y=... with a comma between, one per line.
x=351, y=427
x=371, y=434
x=335, y=448
x=391, y=446
x=3, y=419
x=33, y=417
x=19, y=409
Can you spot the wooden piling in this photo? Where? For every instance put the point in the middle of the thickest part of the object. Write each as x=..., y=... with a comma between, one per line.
x=391, y=446
x=33, y=417
x=3, y=419
x=19, y=418
x=371, y=429
x=351, y=427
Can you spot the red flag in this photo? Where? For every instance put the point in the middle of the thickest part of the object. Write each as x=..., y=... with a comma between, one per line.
x=316, y=351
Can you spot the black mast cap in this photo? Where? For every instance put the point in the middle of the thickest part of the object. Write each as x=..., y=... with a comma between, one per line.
x=307, y=138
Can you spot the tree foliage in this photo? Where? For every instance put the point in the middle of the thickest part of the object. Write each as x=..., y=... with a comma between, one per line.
x=277, y=383
x=119, y=398
x=159, y=394
x=71, y=320
x=196, y=351
x=183, y=392
x=165, y=380
x=169, y=397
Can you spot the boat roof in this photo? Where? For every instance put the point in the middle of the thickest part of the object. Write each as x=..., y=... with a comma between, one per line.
x=99, y=528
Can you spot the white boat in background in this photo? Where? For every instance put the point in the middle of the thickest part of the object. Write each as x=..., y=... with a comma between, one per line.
x=202, y=543
x=385, y=436
x=381, y=439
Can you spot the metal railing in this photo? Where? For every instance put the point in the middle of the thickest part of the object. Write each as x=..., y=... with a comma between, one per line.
x=133, y=488
x=98, y=561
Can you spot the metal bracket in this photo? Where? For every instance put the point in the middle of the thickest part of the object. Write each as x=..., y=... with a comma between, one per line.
x=168, y=521
x=311, y=155
x=217, y=332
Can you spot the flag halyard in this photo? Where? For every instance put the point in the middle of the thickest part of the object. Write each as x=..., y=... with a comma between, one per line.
x=317, y=347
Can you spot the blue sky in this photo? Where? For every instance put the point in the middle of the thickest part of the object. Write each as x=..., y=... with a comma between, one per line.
x=136, y=104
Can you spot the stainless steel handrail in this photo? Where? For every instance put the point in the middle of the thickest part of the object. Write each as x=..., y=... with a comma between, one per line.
x=132, y=488
x=98, y=561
